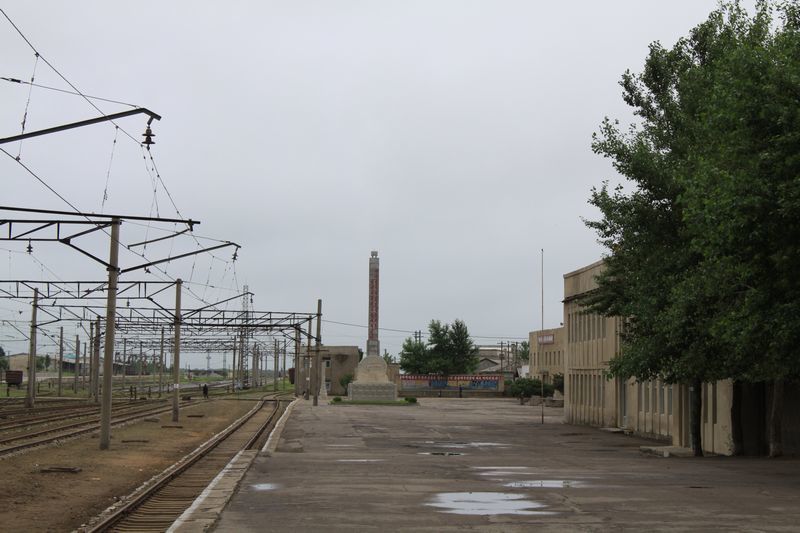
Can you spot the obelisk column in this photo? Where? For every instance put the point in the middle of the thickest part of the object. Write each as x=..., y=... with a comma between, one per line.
x=373, y=346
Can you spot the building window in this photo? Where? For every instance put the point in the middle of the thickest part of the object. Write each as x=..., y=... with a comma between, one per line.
x=327, y=363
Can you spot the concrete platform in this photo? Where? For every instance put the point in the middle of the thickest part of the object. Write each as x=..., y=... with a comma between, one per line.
x=489, y=465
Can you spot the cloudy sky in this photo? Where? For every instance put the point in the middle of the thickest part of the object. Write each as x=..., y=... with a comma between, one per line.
x=452, y=136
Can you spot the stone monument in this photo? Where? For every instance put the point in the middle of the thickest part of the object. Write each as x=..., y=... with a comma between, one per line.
x=371, y=379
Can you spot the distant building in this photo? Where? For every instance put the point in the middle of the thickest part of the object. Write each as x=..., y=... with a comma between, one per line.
x=337, y=361
x=547, y=353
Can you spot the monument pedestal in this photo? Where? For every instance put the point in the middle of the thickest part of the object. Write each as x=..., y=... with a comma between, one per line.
x=372, y=383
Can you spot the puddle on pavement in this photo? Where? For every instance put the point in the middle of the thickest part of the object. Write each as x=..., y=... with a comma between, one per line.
x=547, y=484
x=441, y=453
x=462, y=445
x=264, y=486
x=486, y=503
x=359, y=460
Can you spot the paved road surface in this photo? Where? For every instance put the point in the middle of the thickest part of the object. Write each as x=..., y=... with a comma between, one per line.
x=382, y=468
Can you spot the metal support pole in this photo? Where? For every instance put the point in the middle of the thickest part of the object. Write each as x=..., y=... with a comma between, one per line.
x=283, y=370
x=297, y=361
x=60, y=360
x=176, y=361
x=30, y=399
x=307, y=361
x=108, y=352
x=540, y=344
x=242, y=360
x=319, y=375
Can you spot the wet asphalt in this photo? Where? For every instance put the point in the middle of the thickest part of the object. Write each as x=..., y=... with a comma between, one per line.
x=490, y=465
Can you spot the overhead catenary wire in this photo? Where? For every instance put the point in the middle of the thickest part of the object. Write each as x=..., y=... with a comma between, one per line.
x=155, y=179
x=56, y=89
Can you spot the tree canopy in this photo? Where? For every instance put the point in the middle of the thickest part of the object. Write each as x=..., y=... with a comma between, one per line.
x=704, y=240
x=449, y=350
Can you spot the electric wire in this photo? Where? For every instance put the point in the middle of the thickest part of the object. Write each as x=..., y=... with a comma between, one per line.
x=108, y=172
x=56, y=89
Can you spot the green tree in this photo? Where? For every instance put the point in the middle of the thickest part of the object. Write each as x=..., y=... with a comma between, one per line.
x=524, y=351
x=345, y=380
x=3, y=359
x=449, y=350
x=414, y=357
x=703, y=245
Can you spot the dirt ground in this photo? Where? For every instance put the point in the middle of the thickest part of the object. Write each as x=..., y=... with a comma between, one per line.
x=35, y=501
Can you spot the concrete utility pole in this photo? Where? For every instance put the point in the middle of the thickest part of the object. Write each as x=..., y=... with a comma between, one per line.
x=30, y=399
x=96, y=360
x=242, y=359
x=124, y=360
x=254, y=378
x=233, y=365
x=60, y=359
x=108, y=353
x=161, y=365
x=320, y=376
x=176, y=358
x=141, y=362
x=275, y=365
x=77, y=364
x=88, y=355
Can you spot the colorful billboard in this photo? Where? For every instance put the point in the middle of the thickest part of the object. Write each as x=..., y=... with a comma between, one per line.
x=489, y=382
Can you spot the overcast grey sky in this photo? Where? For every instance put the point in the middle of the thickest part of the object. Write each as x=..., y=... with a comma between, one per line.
x=451, y=136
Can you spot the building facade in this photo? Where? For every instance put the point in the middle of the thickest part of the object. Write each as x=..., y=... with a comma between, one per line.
x=547, y=353
x=337, y=362
x=649, y=408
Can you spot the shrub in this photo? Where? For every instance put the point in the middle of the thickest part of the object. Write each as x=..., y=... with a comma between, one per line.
x=558, y=382
x=345, y=380
x=337, y=399
x=527, y=387
x=411, y=399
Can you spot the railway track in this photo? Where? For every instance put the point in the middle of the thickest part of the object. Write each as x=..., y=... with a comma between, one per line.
x=45, y=436
x=157, y=506
x=54, y=415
